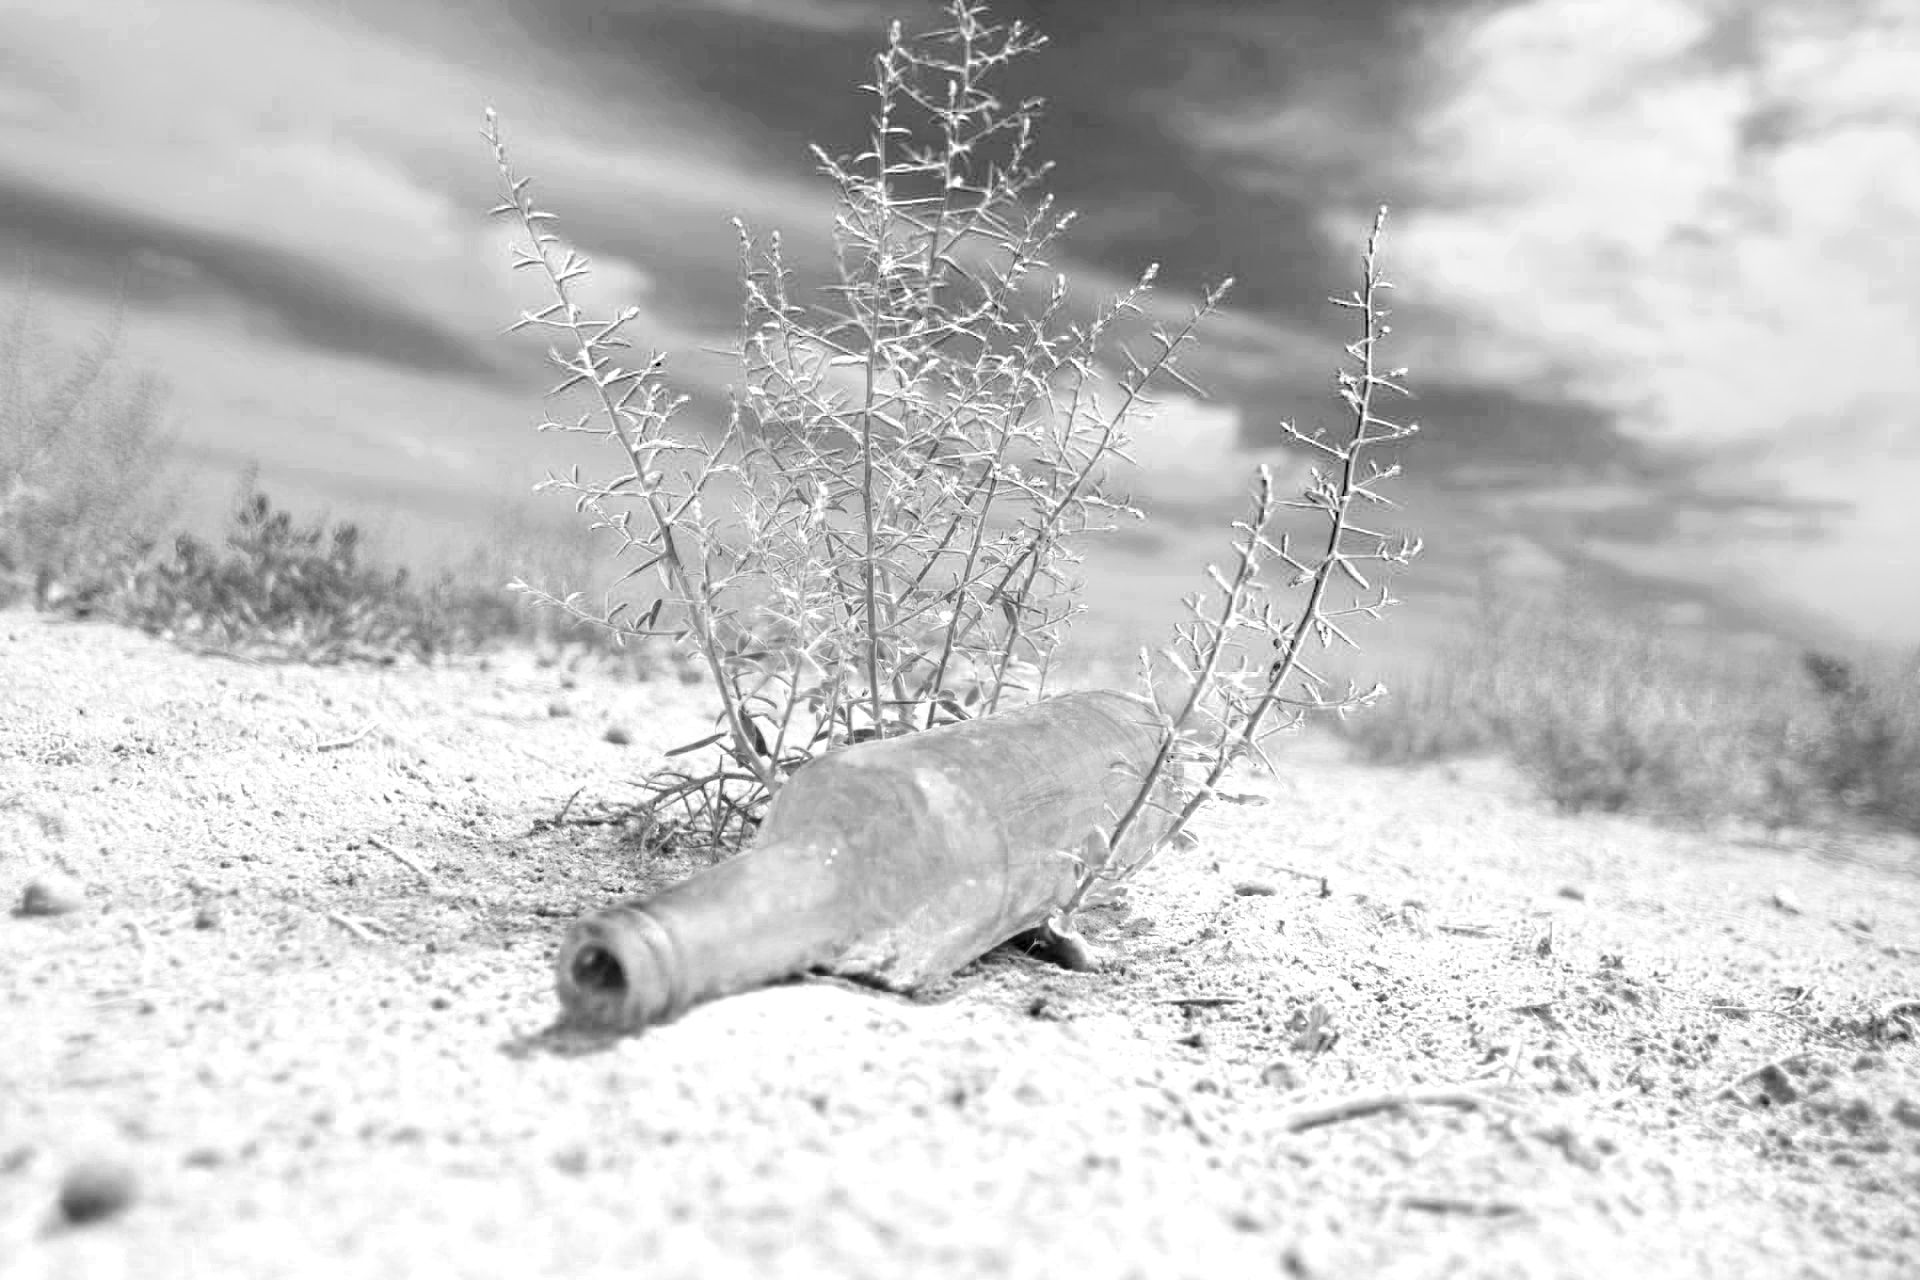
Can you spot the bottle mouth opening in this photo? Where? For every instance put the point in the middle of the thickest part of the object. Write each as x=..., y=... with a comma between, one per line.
x=618, y=970
x=596, y=969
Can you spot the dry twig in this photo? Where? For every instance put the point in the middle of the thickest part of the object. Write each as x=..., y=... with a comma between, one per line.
x=1459, y=1205
x=360, y=929
x=146, y=956
x=340, y=744
x=405, y=859
x=1365, y=1104
x=1775, y=1068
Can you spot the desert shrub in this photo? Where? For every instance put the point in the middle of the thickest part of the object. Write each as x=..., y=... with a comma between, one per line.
x=81, y=455
x=1442, y=709
x=86, y=498
x=302, y=591
x=1616, y=750
x=1618, y=714
x=515, y=544
x=911, y=459
x=1863, y=740
x=1615, y=715
x=455, y=613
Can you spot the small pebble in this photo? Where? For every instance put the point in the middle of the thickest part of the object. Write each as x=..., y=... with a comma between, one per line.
x=618, y=736
x=207, y=916
x=1280, y=1075
x=1047, y=1010
x=1255, y=889
x=95, y=1189
x=52, y=895
x=1573, y=892
x=1775, y=1085
x=558, y=708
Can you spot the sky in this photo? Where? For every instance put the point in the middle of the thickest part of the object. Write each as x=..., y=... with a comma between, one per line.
x=1657, y=261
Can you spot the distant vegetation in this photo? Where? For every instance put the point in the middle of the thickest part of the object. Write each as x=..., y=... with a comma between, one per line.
x=301, y=590
x=1604, y=713
x=86, y=501
x=1619, y=714
x=81, y=452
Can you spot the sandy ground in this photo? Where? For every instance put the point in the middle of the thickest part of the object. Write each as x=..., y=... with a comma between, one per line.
x=1387, y=1023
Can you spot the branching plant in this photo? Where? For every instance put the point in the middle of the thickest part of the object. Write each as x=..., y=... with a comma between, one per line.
x=910, y=459
x=1217, y=705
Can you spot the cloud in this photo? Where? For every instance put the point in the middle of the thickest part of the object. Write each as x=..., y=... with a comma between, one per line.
x=1664, y=212
x=1683, y=220
x=1190, y=455
x=335, y=170
x=867, y=16
x=262, y=187
x=226, y=282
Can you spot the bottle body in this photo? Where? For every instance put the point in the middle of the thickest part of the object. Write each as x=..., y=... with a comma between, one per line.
x=894, y=862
